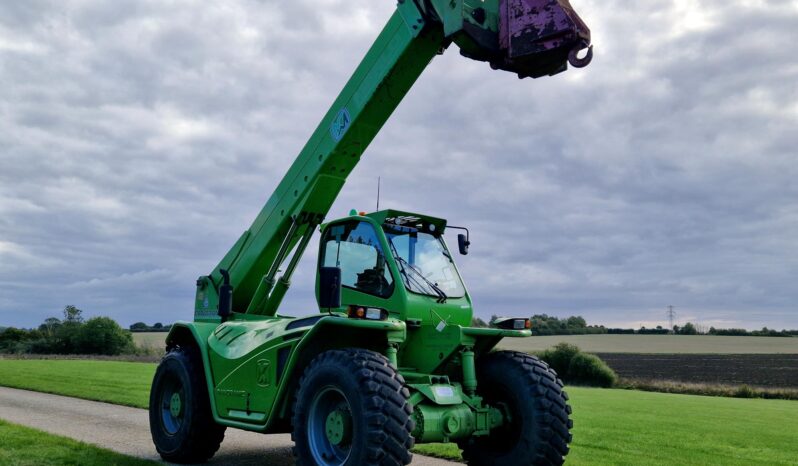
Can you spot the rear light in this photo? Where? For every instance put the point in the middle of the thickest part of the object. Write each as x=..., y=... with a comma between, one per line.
x=368, y=313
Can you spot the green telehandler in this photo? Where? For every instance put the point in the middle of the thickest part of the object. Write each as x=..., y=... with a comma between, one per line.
x=390, y=359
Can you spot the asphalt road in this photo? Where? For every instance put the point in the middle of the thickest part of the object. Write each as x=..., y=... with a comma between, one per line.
x=126, y=430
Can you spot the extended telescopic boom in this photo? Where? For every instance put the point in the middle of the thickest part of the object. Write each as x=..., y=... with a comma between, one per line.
x=532, y=38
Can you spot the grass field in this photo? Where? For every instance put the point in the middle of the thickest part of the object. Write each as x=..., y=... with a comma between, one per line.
x=612, y=427
x=124, y=383
x=671, y=344
x=28, y=447
x=150, y=339
x=616, y=427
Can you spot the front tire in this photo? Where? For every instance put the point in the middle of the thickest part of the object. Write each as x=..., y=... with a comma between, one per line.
x=352, y=409
x=181, y=421
x=538, y=431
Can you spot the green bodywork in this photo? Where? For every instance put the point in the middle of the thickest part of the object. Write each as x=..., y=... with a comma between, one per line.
x=253, y=360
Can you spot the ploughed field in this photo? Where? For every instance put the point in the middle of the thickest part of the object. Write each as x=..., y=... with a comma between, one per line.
x=661, y=344
x=756, y=370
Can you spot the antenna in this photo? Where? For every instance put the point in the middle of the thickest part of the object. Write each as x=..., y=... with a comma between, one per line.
x=378, y=194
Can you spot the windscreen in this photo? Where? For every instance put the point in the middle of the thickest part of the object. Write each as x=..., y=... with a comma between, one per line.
x=424, y=262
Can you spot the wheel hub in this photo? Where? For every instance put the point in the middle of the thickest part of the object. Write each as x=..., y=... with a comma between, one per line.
x=175, y=405
x=338, y=427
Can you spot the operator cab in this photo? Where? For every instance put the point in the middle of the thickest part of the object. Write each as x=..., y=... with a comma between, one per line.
x=396, y=261
x=424, y=262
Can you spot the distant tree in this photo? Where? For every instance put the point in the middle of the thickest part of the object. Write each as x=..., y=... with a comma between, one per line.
x=49, y=326
x=64, y=340
x=11, y=337
x=72, y=314
x=544, y=324
x=139, y=327
x=102, y=335
x=652, y=331
x=157, y=325
x=688, y=329
x=477, y=322
x=576, y=322
x=659, y=327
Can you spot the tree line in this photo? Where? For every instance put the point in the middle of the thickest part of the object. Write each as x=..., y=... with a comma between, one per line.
x=70, y=334
x=543, y=324
x=156, y=327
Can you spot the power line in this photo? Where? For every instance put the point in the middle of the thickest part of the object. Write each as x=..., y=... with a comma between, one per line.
x=671, y=315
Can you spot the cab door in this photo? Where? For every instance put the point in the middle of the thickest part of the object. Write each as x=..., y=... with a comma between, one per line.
x=355, y=247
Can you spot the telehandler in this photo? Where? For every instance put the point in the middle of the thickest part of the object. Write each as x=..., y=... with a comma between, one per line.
x=390, y=359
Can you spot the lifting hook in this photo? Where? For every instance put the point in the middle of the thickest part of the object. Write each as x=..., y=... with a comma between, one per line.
x=577, y=62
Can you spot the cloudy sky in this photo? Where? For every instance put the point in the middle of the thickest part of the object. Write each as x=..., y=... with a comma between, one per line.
x=138, y=139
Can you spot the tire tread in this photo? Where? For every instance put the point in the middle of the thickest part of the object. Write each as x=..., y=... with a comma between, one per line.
x=204, y=436
x=547, y=443
x=385, y=395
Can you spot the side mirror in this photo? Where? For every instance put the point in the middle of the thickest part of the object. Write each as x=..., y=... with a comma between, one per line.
x=463, y=243
x=329, y=287
x=225, y=296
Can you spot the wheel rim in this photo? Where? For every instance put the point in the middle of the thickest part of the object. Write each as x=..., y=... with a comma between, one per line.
x=172, y=406
x=330, y=428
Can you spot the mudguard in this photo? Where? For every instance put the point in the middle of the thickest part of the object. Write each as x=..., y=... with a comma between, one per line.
x=259, y=361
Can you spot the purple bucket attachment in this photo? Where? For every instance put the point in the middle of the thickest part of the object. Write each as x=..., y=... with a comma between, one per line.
x=539, y=37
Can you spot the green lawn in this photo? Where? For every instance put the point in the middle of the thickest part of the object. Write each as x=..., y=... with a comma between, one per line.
x=620, y=427
x=612, y=427
x=695, y=344
x=124, y=383
x=28, y=447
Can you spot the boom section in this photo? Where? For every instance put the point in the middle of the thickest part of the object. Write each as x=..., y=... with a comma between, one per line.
x=307, y=191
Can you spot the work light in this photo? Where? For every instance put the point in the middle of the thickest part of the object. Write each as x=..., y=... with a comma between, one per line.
x=512, y=323
x=369, y=313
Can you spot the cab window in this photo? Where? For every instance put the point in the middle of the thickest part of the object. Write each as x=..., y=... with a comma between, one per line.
x=354, y=248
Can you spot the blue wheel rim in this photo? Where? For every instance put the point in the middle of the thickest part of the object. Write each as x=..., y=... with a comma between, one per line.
x=172, y=418
x=324, y=451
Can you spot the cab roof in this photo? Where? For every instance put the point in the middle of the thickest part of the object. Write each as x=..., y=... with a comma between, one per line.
x=407, y=219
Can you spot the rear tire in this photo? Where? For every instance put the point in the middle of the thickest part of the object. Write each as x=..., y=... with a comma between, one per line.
x=352, y=409
x=530, y=392
x=181, y=421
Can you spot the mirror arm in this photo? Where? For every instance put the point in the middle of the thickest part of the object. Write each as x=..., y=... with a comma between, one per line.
x=461, y=228
x=463, y=241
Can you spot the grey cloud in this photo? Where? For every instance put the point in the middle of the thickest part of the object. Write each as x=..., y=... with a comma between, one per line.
x=140, y=138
